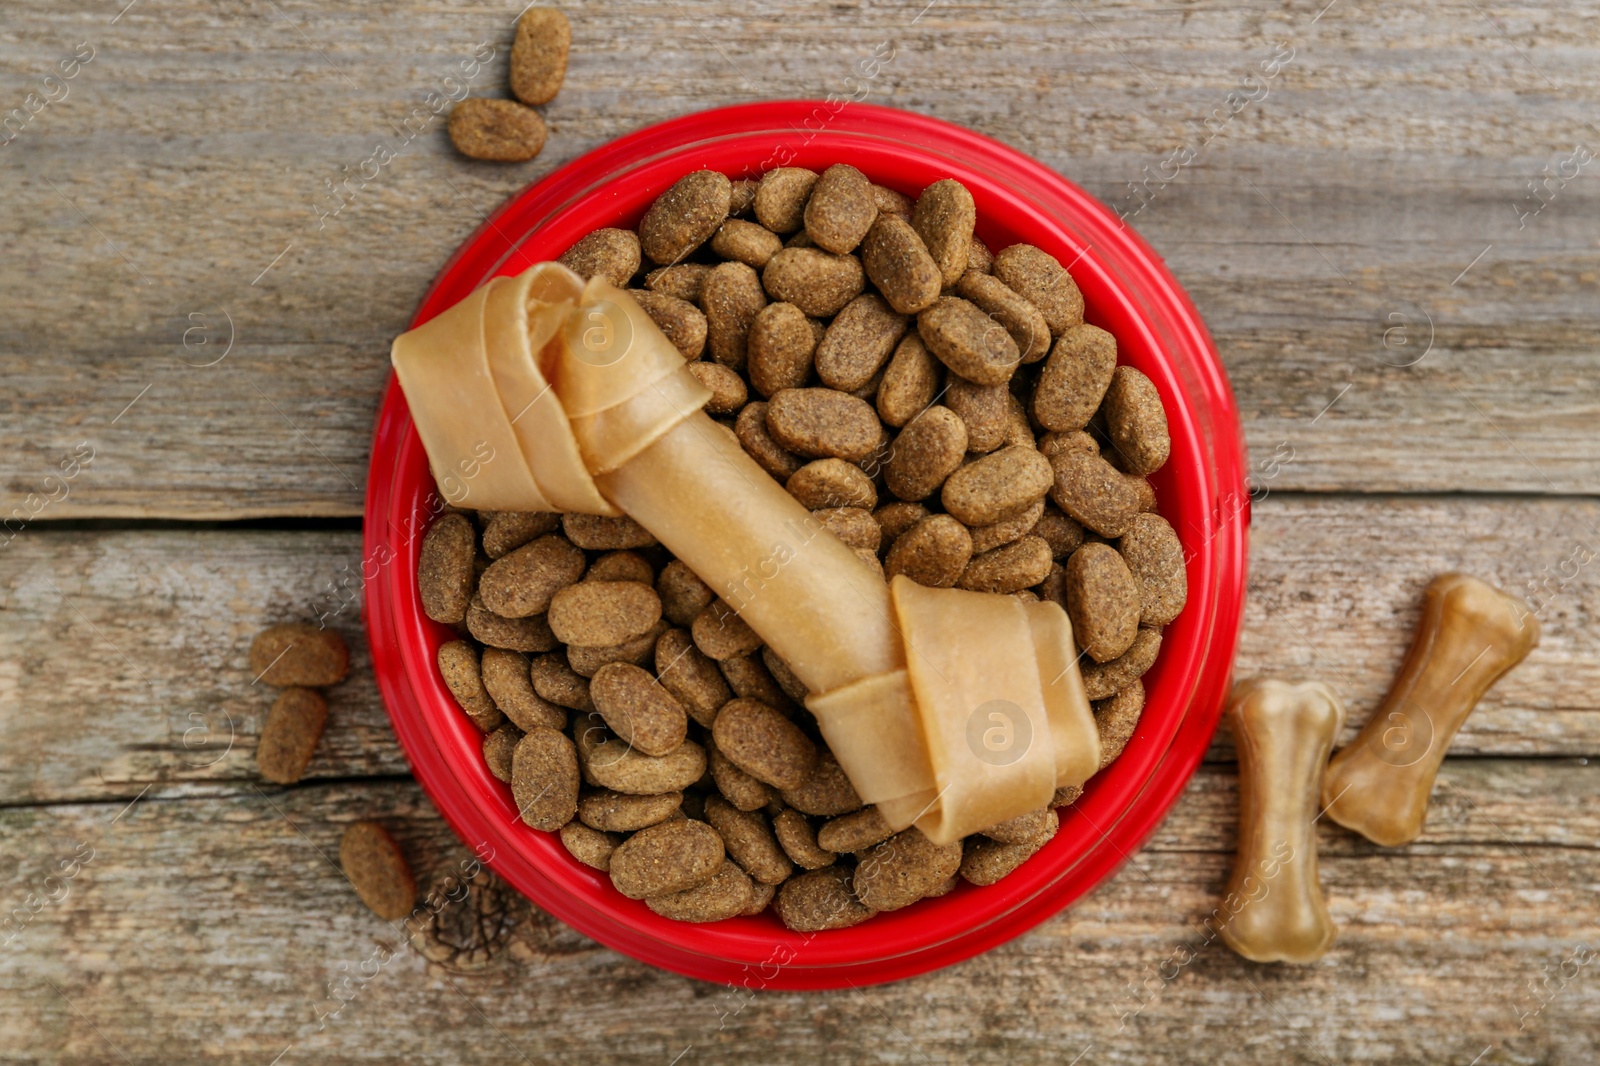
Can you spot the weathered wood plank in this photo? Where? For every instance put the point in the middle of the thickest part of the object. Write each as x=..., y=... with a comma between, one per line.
x=123, y=654
x=1441, y=950
x=1389, y=155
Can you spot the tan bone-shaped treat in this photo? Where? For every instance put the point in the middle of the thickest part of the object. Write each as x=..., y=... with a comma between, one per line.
x=1469, y=636
x=947, y=709
x=1283, y=734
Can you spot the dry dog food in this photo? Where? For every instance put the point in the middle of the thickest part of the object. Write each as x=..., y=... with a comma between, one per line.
x=943, y=410
x=290, y=735
x=376, y=867
x=500, y=131
x=294, y=654
x=539, y=55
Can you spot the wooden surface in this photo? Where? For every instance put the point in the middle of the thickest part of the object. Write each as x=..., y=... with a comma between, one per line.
x=165, y=207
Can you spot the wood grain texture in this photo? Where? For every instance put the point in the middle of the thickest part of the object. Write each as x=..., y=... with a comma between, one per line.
x=1441, y=945
x=168, y=205
x=123, y=654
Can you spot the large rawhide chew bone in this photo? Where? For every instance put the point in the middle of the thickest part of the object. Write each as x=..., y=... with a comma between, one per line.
x=1283, y=734
x=585, y=406
x=1470, y=634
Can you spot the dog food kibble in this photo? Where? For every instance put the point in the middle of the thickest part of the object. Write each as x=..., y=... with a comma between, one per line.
x=670, y=857
x=940, y=409
x=968, y=341
x=1102, y=601
x=903, y=869
x=1038, y=277
x=612, y=254
x=944, y=217
x=373, y=862
x=294, y=654
x=539, y=55
x=638, y=709
x=780, y=200
x=763, y=743
x=501, y=131
x=290, y=734
x=817, y=282
x=840, y=209
x=544, y=778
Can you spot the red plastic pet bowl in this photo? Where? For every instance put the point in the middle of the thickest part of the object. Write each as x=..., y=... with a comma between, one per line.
x=1126, y=290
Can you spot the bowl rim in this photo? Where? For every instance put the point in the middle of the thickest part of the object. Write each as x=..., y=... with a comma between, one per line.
x=1120, y=806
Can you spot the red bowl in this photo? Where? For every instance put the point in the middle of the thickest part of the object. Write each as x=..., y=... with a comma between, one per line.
x=1201, y=489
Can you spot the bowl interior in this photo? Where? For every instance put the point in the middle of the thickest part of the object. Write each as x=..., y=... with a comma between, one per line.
x=1200, y=491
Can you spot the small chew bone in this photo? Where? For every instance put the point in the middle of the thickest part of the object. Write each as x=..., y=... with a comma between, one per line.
x=1283, y=733
x=1470, y=634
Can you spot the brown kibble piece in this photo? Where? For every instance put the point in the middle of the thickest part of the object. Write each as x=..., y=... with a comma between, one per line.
x=506, y=531
x=636, y=650
x=984, y=409
x=968, y=341
x=290, y=734
x=934, y=552
x=1075, y=378
x=683, y=594
x=1102, y=602
x=721, y=633
x=904, y=869
x=595, y=614
x=858, y=342
x=1020, y=318
x=897, y=516
x=989, y=537
x=780, y=201
x=1136, y=422
x=670, y=857
x=746, y=242
x=680, y=321
x=589, y=846
x=781, y=672
x=1154, y=556
x=619, y=812
x=825, y=791
x=681, y=281
x=728, y=893
x=891, y=202
x=531, y=634
x=910, y=382
x=997, y=486
x=728, y=391
x=731, y=297
x=818, y=283
x=840, y=209
x=458, y=665
x=1116, y=718
x=500, y=131
x=854, y=831
x=521, y=583
x=820, y=899
x=758, y=443
x=617, y=766
x=539, y=54
x=544, y=779
x=1038, y=277
x=1012, y=568
x=1062, y=533
x=377, y=869
x=610, y=253
x=749, y=678
x=296, y=654
x=638, y=709
x=985, y=861
x=1104, y=680
x=499, y=749
x=900, y=265
x=853, y=525
x=832, y=483
x=444, y=568
x=822, y=422
x=507, y=680
x=745, y=792
x=799, y=841
x=780, y=347
x=1032, y=827
x=749, y=841
x=557, y=682
x=603, y=533
x=691, y=676
x=621, y=566
x=928, y=451
x=979, y=259
x=763, y=743
x=1095, y=493
x=944, y=218
x=685, y=216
